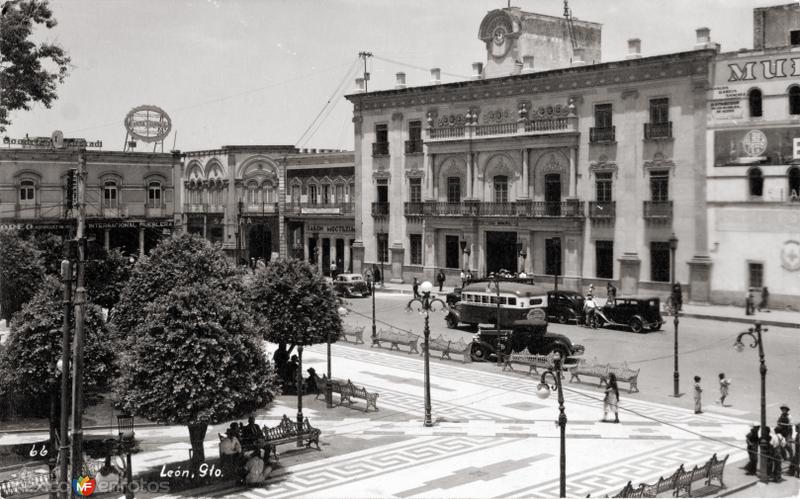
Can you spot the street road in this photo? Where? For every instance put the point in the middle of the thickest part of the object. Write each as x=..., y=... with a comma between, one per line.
x=705, y=349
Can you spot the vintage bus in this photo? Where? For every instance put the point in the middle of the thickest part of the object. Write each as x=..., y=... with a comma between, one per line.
x=478, y=304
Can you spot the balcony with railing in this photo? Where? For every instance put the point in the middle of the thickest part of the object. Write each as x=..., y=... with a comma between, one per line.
x=194, y=208
x=380, y=209
x=658, y=131
x=599, y=135
x=414, y=146
x=658, y=211
x=250, y=208
x=414, y=209
x=541, y=125
x=380, y=148
x=602, y=210
x=320, y=208
x=530, y=209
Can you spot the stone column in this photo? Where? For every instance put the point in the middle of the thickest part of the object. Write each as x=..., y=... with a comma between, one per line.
x=469, y=174
x=205, y=226
x=573, y=172
x=525, y=182
x=429, y=248
x=141, y=241
x=429, y=162
x=306, y=248
x=396, y=258
x=333, y=252
x=319, y=254
x=572, y=261
x=106, y=239
x=358, y=257
x=629, y=225
x=347, y=254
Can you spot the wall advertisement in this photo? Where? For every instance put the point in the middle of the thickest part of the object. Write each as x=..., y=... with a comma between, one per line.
x=757, y=146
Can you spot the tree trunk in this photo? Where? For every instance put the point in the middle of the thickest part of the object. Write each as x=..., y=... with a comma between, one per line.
x=197, y=433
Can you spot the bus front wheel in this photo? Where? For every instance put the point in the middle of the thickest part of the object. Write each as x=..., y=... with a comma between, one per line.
x=452, y=322
x=478, y=352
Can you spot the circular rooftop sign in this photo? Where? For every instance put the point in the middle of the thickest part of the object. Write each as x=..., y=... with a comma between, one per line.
x=148, y=123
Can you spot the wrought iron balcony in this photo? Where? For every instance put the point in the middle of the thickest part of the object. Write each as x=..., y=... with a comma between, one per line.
x=380, y=209
x=537, y=126
x=602, y=209
x=380, y=148
x=414, y=146
x=537, y=209
x=414, y=209
x=658, y=211
x=319, y=208
x=654, y=131
x=605, y=134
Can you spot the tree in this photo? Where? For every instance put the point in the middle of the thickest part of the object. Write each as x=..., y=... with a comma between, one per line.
x=24, y=79
x=21, y=272
x=293, y=305
x=178, y=261
x=195, y=360
x=107, y=274
x=33, y=348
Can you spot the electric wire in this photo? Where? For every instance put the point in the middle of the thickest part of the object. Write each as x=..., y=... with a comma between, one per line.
x=399, y=63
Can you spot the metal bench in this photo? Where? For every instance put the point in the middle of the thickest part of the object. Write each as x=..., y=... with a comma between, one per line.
x=533, y=361
x=682, y=481
x=624, y=374
x=592, y=368
x=356, y=332
x=396, y=338
x=449, y=346
x=351, y=391
x=662, y=485
x=288, y=431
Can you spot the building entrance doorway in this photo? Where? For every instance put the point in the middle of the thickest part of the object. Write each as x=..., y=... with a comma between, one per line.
x=259, y=242
x=552, y=194
x=501, y=251
x=552, y=256
x=326, y=256
x=339, y=256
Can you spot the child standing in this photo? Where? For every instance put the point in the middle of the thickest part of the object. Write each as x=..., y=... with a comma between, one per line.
x=698, y=391
x=724, y=383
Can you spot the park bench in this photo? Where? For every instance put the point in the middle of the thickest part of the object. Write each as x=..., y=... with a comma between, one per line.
x=351, y=391
x=356, y=332
x=395, y=338
x=601, y=371
x=288, y=431
x=682, y=482
x=449, y=346
x=336, y=385
x=533, y=361
x=662, y=485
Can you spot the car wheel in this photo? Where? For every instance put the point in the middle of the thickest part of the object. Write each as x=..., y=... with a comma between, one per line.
x=452, y=322
x=562, y=352
x=656, y=326
x=562, y=318
x=636, y=325
x=597, y=322
x=478, y=352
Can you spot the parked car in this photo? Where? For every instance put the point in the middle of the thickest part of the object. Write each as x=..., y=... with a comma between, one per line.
x=564, y=306
x=453, y=297
x=637, y=313
x=530, y=334
x=350, y=285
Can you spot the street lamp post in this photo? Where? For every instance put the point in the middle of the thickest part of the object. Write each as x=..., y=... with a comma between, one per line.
x=64, y=366
x=52, y=384
x=342, y=311
x=499, y=355
x=543, y=392
x=676, y=376
x=425, y=304
x=371, y=283
x=755, y=334
x=381, y=248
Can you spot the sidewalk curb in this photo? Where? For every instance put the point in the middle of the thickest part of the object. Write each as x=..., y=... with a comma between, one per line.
x=85, y=428
x=738, y=488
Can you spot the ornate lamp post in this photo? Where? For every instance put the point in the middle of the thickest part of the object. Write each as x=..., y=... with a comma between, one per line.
x=499, y=355
x=676, y=376
x=425, y=304
x=126, y=435
x=755, y=334
x=543, y=392
x=371, y=284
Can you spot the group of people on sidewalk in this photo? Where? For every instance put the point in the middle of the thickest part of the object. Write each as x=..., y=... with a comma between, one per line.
x=783, y=445
x=750, y=301
x=248, y=464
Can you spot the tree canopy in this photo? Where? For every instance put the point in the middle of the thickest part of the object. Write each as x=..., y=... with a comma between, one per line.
x=21, y=272
x=293, y=304
x=29, y=72
x=34, y=346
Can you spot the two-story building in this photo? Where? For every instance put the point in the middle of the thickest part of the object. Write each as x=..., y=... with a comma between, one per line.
x=129, y=196
x=548, y=161
x=754, y=163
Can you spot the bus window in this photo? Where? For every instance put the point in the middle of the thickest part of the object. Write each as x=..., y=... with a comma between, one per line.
x=536, y=301
x=512, y=301
x=484, y=299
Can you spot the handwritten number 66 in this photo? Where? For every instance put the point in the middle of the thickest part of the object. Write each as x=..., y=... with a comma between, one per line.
x=34, y=452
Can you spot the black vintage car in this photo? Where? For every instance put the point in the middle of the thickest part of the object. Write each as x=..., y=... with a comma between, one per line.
x=530, y=334
x=637, y=313
x=350, y=285
x=564, y=306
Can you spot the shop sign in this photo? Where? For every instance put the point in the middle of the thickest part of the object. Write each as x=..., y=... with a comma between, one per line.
x=766, y=69
x=765, y=146
x=90, y=225
x=148, y=123
x=330, y=228
x=790, y=256
x=54, y=142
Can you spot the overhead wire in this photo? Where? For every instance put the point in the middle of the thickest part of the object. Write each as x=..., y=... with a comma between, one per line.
x=400, y=63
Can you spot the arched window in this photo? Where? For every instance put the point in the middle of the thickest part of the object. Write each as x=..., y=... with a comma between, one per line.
x=794, y=99
x=756, y=181
x=326, y=194
x=110, y=199
x=794, y=183
x=754, y=98
x=312, y=194
x=27, y=192
x=501, y=189
x=154, y=195
x=252, y=193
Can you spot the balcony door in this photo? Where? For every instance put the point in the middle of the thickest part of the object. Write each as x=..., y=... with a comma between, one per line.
x=259, y=241
x=552, y=256
x=552, y=194
x=501, y=251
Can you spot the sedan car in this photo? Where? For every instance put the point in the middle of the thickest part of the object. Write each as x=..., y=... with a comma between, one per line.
x=637, y=313
x=564, y=306
x=350, y=285
x=525, y=334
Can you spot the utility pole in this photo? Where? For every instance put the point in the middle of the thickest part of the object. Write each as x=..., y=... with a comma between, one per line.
x=80, y=309
x=63, y=446
x=364, y=56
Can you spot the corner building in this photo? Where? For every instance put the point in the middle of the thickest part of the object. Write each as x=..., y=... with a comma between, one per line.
x=577, y=169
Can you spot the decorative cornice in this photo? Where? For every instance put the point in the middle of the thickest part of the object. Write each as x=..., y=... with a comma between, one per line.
x=603, y=165
x=381, y=174
x=659, y=163
x=416, y=173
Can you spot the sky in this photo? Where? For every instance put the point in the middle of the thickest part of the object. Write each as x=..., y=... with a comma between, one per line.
x=240, y=72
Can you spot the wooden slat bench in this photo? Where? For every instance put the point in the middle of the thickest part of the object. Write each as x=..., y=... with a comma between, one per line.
x=395, y=338
x=288, y=431
x=458, y=347
x=356, y=332
x=533, y=361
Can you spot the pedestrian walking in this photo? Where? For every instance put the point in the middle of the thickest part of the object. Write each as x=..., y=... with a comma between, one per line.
x=370, y=280
x=378, y=277
x=415, y=287
x=463, y=277
x=794, y=468
x=763, y=306
x=611, y=399
x=440, y=278
x=698, y=396
x=752, y=450
x=677, y=294
x=724, y=384
x=785, y=429
x=333, y=270
x=611, y=291
x=748, y=302
x=469, y=275
x=778, y=443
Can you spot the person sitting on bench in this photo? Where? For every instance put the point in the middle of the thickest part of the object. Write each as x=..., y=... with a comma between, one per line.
x=258, y=470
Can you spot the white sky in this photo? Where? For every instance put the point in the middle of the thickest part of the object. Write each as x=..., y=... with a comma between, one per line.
x=259, y=71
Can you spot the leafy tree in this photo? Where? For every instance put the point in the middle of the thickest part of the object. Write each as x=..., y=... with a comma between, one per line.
x=293, y=305
x=195, y=360
x=33, y=348
x=51, y=248
x=24, y=79
x=107, y=274
x=21, y=272
x=182, y=260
